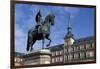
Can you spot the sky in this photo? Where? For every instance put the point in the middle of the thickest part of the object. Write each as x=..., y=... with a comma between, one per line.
x=82, y=23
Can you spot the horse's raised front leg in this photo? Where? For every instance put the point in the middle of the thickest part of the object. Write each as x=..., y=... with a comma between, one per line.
x=49, y=42
x=43, y=41
x=31, y=45
x=31, y=48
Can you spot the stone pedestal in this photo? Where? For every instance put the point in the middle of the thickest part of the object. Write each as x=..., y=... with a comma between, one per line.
x=38, y=57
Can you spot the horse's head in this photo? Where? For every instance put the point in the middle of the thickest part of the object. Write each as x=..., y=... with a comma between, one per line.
x=51, y=19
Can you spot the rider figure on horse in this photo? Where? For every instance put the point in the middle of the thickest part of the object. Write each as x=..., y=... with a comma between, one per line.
x=38, y=21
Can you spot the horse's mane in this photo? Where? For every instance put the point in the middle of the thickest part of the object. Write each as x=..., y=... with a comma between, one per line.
x=47, y=18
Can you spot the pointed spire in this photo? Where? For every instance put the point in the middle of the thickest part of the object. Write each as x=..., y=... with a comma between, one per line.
x=69, y=28
x=69, y=24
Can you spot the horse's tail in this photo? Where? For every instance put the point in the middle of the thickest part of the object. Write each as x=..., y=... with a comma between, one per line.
x=27, y=44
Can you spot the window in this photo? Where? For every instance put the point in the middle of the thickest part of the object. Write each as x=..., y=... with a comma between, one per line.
x=60, y=52
x=65, y=44
x=76, y=56
x=52, y=60
x=68, y=41
x=53, y=53
x=75, y=48
x=56, y=59
x=61, y=58
x=81, y=47
x=70, y=57
x=56, y=52
x=88, y=46
x=21, y=59
x=15, y=59
x=66, y=51
x=87, y=54
x=66, y=57
x=92, y=45
x=90, y=54
x=82, y=55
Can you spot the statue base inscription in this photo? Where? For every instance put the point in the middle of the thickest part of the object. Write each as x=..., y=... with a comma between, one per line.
x=38, y=57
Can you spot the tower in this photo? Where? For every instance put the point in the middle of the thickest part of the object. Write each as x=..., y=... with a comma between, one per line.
x=68, y=40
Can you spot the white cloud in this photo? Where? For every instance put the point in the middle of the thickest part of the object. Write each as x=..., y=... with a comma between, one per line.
x=18, y=31
x=20, y=39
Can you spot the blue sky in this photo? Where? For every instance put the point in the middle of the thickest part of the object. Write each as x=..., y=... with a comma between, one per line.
x=82, y=22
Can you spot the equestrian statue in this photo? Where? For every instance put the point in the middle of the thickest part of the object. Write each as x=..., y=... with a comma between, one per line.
x=41, y=31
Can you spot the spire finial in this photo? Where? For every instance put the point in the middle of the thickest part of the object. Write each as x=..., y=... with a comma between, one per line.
x=69, y=24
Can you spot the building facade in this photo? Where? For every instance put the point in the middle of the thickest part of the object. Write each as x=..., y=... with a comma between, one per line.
x=82, y=50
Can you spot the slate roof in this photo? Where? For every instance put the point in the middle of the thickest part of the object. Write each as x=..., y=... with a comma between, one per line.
x=56, y=47
x=90, y=38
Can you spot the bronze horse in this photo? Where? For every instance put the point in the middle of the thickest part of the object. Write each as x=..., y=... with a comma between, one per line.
x=44, y=32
